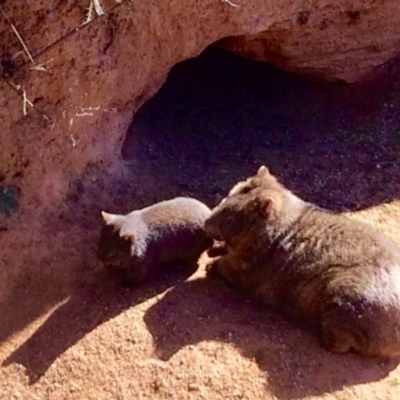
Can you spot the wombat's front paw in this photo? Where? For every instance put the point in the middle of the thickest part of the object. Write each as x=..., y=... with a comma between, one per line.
x=212, y=267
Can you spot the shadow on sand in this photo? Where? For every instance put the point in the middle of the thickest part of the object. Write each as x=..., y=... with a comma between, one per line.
x=295, y=364
x=89, y=305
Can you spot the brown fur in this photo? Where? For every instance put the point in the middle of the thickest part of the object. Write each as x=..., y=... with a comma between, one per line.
x=326, y=269
x=166, y=232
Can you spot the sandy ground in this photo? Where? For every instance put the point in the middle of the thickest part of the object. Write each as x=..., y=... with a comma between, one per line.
x=68, y=331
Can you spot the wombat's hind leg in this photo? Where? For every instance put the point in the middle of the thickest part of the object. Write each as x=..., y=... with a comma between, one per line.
x=336, y=340
x=336, y=337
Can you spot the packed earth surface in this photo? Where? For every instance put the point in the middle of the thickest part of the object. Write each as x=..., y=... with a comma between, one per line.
x=68, y=330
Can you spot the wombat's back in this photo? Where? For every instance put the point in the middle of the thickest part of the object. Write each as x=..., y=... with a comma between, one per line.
x=321, y=245
x=180, y=211
x=175, y=229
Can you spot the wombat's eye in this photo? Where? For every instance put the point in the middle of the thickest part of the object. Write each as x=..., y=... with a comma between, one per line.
x=245, y=190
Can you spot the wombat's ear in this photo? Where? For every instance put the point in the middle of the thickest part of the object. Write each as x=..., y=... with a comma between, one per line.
x=263, y=171
x=109, y=219
x=128, y=237
x=265, y=205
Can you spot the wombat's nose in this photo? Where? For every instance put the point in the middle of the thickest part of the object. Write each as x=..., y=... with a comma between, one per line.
x=211, y=230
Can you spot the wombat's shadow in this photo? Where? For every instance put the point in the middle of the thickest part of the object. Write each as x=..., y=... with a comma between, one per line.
x=89, y=305
x=206, y=309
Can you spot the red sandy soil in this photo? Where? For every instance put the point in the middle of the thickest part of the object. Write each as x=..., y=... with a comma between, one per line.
x=69, y=331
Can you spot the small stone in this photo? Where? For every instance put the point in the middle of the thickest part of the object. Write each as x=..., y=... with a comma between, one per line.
x=8, y=199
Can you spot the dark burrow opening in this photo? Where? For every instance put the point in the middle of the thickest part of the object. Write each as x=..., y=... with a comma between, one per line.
x=220, y=116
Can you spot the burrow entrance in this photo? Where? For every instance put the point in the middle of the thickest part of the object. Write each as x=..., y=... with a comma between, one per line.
x=219, y=116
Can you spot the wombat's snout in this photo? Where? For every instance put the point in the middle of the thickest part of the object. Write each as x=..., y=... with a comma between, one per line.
x=211, y=230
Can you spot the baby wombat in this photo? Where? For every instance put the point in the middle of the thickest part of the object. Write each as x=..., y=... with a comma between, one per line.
x=166, y=232
x=333, y=272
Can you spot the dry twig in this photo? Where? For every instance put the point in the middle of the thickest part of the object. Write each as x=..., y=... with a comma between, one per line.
x=18, y=36
x=98, y=8
x=25, y=101
x=94, y=6
x=230, y=3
